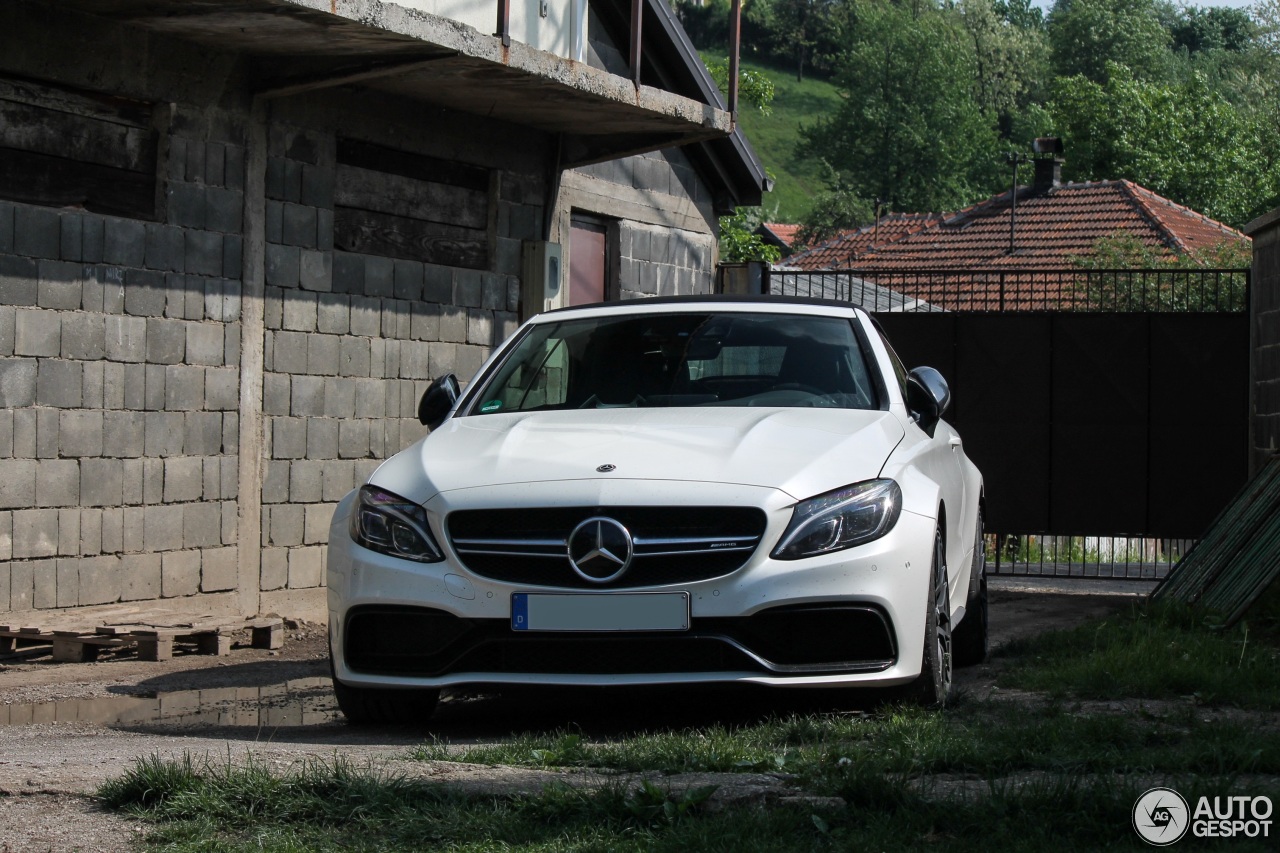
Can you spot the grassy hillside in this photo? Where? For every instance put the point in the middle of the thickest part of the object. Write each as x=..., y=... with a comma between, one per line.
x=774, y=138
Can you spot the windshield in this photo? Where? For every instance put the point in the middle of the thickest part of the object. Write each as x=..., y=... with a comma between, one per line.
x=694, y=359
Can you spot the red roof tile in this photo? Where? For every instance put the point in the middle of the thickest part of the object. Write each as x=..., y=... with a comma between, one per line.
x=848, y=247
x=781, y=232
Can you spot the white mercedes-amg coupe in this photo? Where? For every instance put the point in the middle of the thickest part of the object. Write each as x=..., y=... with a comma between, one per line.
x=666, y=491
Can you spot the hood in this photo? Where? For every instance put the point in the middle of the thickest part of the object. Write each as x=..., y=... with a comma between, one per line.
x=801, y=451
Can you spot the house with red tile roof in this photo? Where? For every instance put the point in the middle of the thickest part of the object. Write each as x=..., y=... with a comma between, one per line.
x=1049, y=225
x=848, y=247
x=778, y=234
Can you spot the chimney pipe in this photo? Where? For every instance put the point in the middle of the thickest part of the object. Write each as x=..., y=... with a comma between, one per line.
x=1048, y=164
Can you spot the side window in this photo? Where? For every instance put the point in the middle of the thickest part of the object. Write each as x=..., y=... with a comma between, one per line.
x=899, y=371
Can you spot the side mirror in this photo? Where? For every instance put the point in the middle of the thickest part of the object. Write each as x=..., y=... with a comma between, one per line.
x=927, y=397
x=438, y=401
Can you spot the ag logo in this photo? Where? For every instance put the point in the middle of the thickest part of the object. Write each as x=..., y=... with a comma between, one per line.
x=1161, y=817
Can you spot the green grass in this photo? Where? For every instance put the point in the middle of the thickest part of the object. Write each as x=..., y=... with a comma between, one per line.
x=1151, y=653
x=775, y=136
x=1038, y=773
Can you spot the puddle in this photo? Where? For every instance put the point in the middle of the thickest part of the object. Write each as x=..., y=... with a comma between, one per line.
x=301, y=702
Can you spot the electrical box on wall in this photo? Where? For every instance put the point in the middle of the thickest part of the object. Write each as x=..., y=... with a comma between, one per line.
x=542, y=286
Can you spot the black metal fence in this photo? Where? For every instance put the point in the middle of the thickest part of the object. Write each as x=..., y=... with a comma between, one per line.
x=1090, y=414
x=1110, y=291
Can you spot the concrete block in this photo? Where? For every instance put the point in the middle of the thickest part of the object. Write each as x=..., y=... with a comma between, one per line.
x=133, y=524
x=322, y=438
x=35, y=533
x=204, y=343
x=204, y=253
x=141, y=577
x=68, y=532
x=414, y=360
x=59, y=384
x=306, y=568
x=424, y=321
x=469, y=360
x=305, y=481
x=289, y=352
x=366, y=316
x=37, y=332
x=453, y=324
x=298, y=225
x=300, y=311
x=316, y=520
x=230, y=430
x=22, y=586
x=37, y=232
x=231, y=343
x=494, y=296
x=123, y=434
x=112, y=531
x=211, y=479
x=338, y=479
x=480, y=327
x=80, y=433
x=153, y=387
x=185, y=204
x=407, y=280
x=218, y=569
x=162, y=527
x=308, y=396
x=163, y=248
x=92, y=395
x=101, y=482
x=24, y=433
x=232, y=255
x=275, y=394
x=6, y=246
x=46, y=433
x=100, y=579
x=229, y=479
x=222, y=388
x=179, y=573
x=112, y=280
x=348, y=273
x=288, y=438
x=275, y=568
x=92, y=239
x=317, y=186
x=468, y=288
x=59, y=284
x=513, y=293
x=340, y=398
x=44, y=574
x=224, y=210
x=165, y=433
x=145, y=293
x=113, y=390
x=19, y=280
x=286, y=525
x=353, y=439
x=353, y=356
x=90, y=532
x=125, y=242
x=379, y=276
x=396, y=319
x=17, y=382
x=126, y=337
x=67, y=574
x=83, y=336
x=203, y=434
x=315, y=270
x=8, y=320
x=17, y=483
x=6, y=432
x=152, y=481
x=437, y=284
x=183, y=388
x=505, y=325
x=333, y=313
x=183, y=479
x=283, y=266
x=370, y=398
x=275, y=482
x=323, y=355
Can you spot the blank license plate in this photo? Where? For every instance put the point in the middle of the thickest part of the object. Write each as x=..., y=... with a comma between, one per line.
x=649, y=611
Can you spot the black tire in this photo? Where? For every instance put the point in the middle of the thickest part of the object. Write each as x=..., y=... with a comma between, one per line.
x=933, y=688
x=970, y=641
x=370, y=706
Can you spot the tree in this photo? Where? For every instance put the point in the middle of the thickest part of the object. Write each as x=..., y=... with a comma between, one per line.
x=838, y=209
x=910, y=130
x=739, y=243
x=1086, y=36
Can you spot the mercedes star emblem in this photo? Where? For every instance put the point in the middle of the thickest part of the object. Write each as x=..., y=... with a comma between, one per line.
x=600, y=549
x=605, y=469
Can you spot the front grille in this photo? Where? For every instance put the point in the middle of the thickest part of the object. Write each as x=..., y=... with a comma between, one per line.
x=672, y=544
x=779, y=641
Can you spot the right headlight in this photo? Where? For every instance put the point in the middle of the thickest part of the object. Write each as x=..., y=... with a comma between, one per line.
x=841, y=519
x=385, y=522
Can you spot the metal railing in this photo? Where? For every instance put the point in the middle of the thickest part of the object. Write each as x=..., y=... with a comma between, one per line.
x=1105, y=557
x=1127, y=291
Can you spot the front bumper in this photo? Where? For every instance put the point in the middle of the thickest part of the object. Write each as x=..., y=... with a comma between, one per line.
x=852, y=617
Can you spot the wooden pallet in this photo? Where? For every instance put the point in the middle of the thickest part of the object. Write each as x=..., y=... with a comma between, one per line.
x=154, y=637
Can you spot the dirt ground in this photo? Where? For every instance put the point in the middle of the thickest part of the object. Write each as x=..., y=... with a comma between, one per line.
x=67, y=727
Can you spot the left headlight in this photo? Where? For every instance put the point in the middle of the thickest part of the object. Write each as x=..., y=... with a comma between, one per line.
x=841, y=519
x=385, y=522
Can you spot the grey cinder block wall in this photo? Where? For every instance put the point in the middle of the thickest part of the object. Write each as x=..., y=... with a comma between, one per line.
x=194, y=369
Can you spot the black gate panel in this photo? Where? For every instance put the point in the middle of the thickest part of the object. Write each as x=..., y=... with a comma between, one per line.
x=1199, y=417
x=1002, y=390
x=1099, y=423
x=923, y=339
